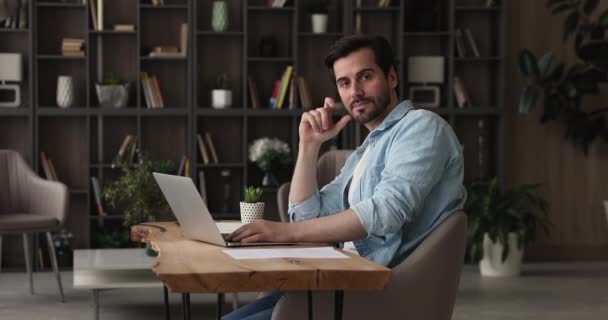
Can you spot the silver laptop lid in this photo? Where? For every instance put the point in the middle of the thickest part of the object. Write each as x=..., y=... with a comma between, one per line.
x=194, y=218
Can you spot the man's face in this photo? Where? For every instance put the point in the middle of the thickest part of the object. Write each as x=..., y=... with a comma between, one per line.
x=362, y=85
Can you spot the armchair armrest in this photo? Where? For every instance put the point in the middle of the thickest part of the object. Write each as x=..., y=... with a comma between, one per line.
x=48, y=198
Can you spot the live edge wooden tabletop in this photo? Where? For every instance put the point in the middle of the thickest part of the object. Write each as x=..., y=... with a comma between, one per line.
x=193, y=266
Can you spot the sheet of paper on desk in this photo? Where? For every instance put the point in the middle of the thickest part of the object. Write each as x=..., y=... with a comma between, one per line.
x=298, y=253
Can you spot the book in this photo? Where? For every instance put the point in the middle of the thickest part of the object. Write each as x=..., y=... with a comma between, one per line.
x=145, y=85
x=305, y=97
x=285, y=80
x=133, y=150
x=45, y=166
x=292, y=92
x=460, y=93
x=124, y=145
x=124, y=27
x=202, y=186
x=272, y=101
x=165, y=49
x=97, y=196
x=202, y=149
x=99, y=14
x=93, y=9
x=254, y=98
x=183, y=39
x=187, y=168
x=211, y=147
x=165, y=55
x=182, y=163
x=460, y=47
x=471, y=42
x=158, y=97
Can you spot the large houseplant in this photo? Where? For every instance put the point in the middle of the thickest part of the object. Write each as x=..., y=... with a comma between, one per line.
x=502, y=223
x=562, y=86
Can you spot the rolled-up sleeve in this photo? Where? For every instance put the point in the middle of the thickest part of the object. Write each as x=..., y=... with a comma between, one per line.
x=414, y=164
x=320, y=203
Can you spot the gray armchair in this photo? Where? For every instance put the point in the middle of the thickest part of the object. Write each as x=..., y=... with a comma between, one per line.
x=30, y=204
x=423, y=286
x=329, y=166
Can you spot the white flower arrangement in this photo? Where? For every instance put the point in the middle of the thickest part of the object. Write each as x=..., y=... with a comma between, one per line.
x=269, y=153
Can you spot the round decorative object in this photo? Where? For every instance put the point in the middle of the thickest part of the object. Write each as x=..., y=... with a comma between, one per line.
x=65, y=91
x=219, y=16
x=113, y=96
x=251, y=212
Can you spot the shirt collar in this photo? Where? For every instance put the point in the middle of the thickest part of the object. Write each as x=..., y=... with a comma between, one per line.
x=396, y=114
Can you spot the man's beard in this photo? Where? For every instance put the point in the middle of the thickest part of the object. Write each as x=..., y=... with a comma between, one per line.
x=380, y=104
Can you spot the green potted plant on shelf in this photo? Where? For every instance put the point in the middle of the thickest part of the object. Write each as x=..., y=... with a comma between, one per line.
x=563, y=87
x=221, y=95
x=252, y=208
x=113, y=92
x=501, y=223
x=319, y=13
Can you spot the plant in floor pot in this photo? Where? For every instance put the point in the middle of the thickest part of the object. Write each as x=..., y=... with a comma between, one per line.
x=252, y=208
x=319, y=16
x=269, y=155
x=501, y=223
x=113, y=92
x=221, y=96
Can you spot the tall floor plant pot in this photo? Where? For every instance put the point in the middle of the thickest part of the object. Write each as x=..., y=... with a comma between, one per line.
x=491, y=265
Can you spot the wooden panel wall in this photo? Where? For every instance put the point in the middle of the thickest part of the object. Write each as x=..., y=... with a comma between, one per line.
x=574, y=185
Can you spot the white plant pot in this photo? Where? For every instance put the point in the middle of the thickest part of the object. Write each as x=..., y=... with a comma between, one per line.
x=251, y=212
x=319, y=22
x=113, y=96
x=491, y=265
x=221, y=99
x=65, y=91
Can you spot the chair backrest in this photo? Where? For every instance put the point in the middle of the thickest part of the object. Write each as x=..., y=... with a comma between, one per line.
x=328, y=167
x=12, y=170
x=423, y=286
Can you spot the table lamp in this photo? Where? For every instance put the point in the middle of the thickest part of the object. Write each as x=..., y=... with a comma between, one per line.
x=10, y=70
x=425, y=70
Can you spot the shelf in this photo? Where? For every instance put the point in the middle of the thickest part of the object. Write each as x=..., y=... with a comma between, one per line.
x=270, y=59
x=60, y=5
x=477, y=8
x=220, y=34
x=208, y=111
x=171, y=58
x=478, y=59
x=274, y=112
x=426, y=34
x=56, y=111
x=478, y=111
x=112, y=32
x=164, y=6
x=270, y=9
x=166, y=111
x=319, y=35
x=60, y=57
x=376, y=9
x=103, y=111
x=14, y=111
x=18, y=30
x=223, y=165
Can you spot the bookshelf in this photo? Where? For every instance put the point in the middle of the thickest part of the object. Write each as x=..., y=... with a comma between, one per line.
x=83, y=139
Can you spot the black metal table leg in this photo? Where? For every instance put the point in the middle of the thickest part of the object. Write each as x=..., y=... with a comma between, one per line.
x=220, y=303
x=309, y=305
x=186, y=306
x=339, y=298
x=166, y=296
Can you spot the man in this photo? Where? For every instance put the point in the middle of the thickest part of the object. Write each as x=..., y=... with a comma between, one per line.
x=402, y=182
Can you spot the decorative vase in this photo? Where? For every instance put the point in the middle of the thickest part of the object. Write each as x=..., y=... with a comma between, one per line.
x=219, y=16
x=492, y=265
x=113, y=96
x=251, y=212
x=319, y=22
x=221, y=98
x=269, y=179
x=65, y=91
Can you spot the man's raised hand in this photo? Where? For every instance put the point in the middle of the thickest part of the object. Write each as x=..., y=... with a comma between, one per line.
x=317, y=125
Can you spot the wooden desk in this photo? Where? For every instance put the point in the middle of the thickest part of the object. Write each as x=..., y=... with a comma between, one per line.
x=188, y=266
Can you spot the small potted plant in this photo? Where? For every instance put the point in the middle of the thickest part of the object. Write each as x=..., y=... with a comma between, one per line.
x=113, y=92
x=252, y=208
x=501, y=223
x=221, y=96
x=318, y=10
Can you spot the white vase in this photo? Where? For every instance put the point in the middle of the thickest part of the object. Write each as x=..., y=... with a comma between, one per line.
x=221, y=98
x=219, y=16
x=319, y=22
x=251, y=212
x=65, y=91
x=492, y=265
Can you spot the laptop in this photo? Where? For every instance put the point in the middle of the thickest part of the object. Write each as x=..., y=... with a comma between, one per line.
x=192, y=214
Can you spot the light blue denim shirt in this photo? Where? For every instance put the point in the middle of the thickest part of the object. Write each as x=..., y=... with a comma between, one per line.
x=411, y=183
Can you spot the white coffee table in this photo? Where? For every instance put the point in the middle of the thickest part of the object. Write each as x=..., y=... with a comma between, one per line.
x=103, y=269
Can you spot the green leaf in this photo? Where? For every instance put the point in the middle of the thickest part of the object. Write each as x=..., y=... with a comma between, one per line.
x=528, y=64
x=602, y=21
x=589, y=6
x=546, y=65
x=528, y=99
x=570, y=24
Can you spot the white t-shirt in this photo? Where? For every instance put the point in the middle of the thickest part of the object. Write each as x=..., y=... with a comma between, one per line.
x=354, y=186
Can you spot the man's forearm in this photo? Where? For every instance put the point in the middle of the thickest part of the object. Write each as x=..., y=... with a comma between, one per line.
x=339, y=227
x=304, y=181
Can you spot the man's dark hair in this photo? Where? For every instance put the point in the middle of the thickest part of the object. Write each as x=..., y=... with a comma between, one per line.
x=383, y=52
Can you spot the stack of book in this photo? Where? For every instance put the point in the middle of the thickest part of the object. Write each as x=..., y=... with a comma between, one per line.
x=72, y=47
x=290, y=82
x=466, y=44
x=165, y=51
x=208, y=153
x=151, y=89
